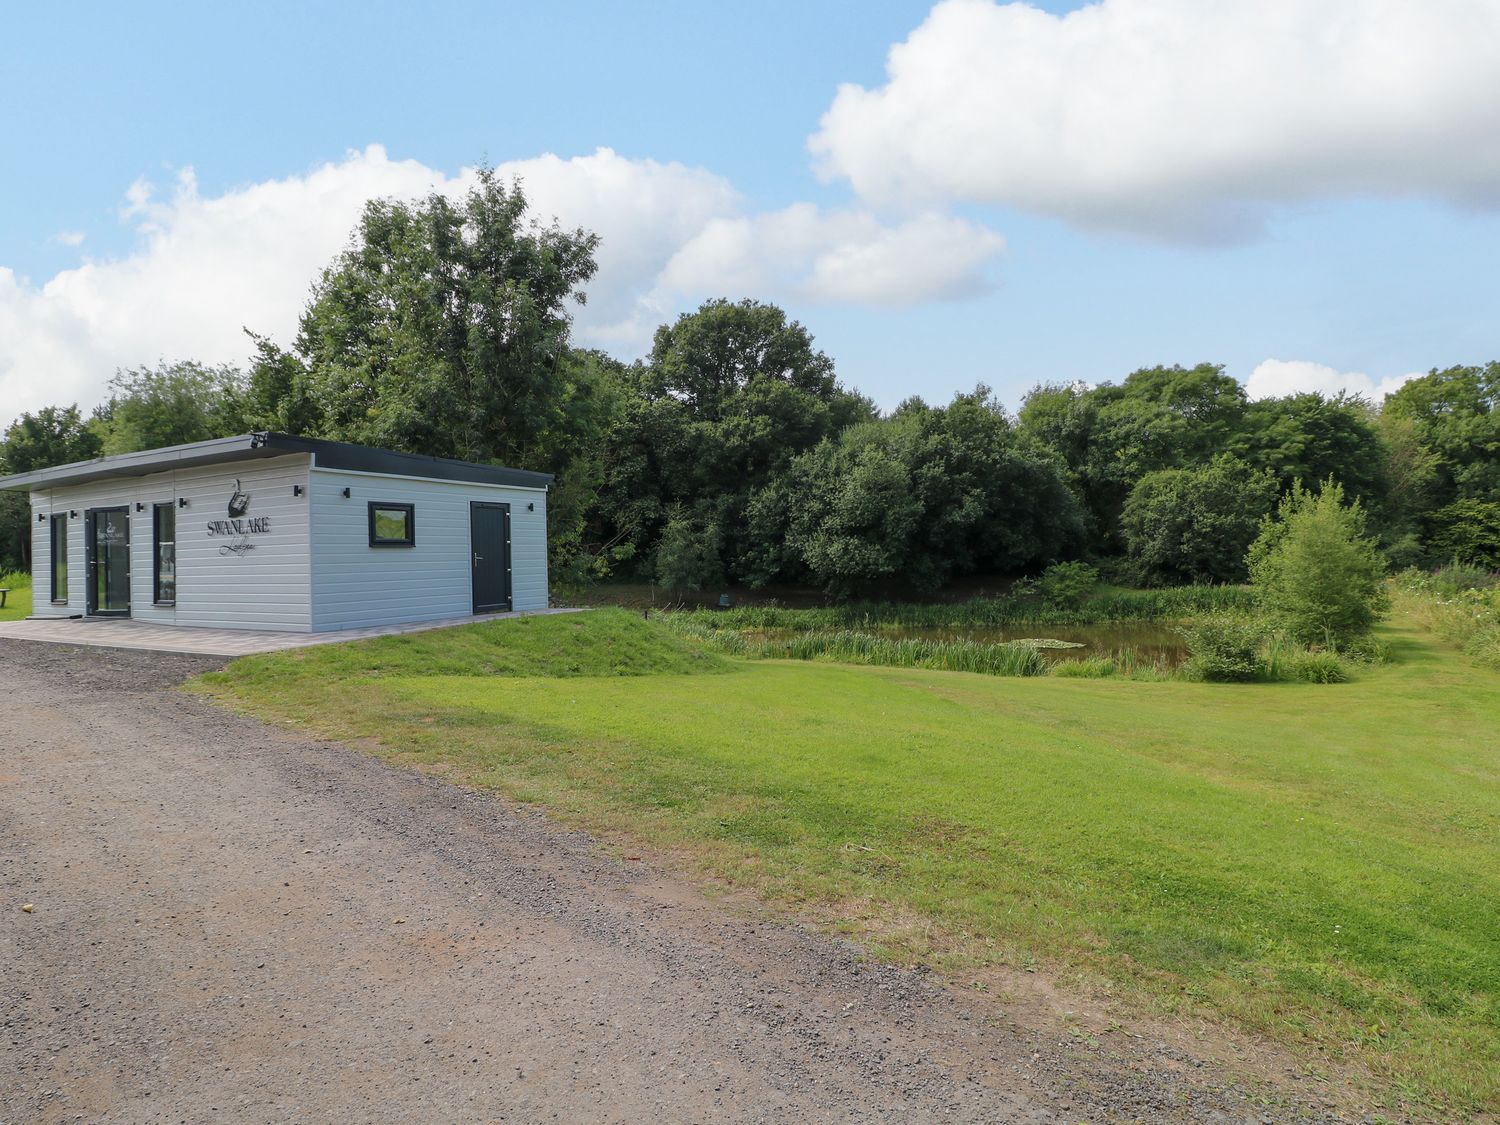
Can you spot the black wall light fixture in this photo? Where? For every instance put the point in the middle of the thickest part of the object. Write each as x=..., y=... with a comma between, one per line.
x=346, y=494
x=531, y=507
x=182, y=501
x=41, y=518
x=296, y=490
x=72, y=515
x=139, y=507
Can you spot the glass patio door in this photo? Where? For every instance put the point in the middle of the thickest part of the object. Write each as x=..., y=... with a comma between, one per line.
x=108, y=537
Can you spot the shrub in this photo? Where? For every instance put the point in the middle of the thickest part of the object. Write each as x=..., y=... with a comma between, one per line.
x=1222, y=648
x=1315, y=572
x=1466, y=531
x=16, y=579
x=1320, y=667
x=1067, y=584
x=1194, y=525
x=1089, y=668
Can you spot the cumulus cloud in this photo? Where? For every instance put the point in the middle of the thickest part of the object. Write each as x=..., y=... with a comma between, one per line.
x=838, y=256
x=1274, y=378
x=207, y=266
x=1178, y=117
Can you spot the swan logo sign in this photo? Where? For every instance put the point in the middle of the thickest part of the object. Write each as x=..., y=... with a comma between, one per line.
x=240, y=525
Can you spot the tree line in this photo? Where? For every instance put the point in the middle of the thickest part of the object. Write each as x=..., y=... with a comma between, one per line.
x=732, y=453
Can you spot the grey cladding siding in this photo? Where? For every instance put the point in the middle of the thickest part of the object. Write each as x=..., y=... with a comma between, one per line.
x=266, y=586
x=356, y=585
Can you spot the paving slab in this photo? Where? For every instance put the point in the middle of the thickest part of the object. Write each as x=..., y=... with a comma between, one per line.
x=114, y=632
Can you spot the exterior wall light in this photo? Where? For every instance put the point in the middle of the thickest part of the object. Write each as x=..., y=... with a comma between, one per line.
x=41, y=517
x=531, y=507
x=346, y=494
x=182, y=501
x=296, y=490
x=139, y=507
x=72, y=514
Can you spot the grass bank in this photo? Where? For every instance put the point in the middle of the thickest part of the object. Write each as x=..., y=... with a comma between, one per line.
x=1319, y=866
x=18, y=601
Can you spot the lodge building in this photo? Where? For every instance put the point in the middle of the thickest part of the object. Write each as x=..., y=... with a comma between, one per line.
x=272, y=532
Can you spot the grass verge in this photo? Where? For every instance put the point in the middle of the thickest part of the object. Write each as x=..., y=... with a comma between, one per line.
x=1320, y=868
x=18, y=601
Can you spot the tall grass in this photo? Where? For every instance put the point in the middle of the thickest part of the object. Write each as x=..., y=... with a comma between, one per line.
x=1460, y=604
x=1119, y=605
x=846, y=646
x=15, y=579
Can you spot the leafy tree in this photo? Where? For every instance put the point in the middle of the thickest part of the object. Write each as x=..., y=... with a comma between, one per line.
x=1466, y=532
x=1457, y=413
x=925, y=495
x=53, y=435
x=1315, y=571
x=1110, y=436
x=1309, y=437
x=729, y=395
x=1195, y=525
x=170, y=404
x=688, y=556
x=444, y=329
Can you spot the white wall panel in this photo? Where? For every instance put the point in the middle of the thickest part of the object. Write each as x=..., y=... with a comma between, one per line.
x=356, y=585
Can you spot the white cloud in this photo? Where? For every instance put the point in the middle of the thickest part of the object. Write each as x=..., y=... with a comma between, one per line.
x=671, y=236
x=838, y=256
x=1178, y=117
x=1274, y=378
x=68, y=238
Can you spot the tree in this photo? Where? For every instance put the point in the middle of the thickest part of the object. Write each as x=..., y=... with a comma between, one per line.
x=729, y=395
x=1315, y=571
x=444, y=329
x=923, y=496
x=1195, y=525
x=1309, y=437
x=1467, y=532
x=170, y=404
x=1457, y=413
x=53, y=435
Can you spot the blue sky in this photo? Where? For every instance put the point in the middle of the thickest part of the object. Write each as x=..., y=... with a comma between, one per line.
x=1375, y=260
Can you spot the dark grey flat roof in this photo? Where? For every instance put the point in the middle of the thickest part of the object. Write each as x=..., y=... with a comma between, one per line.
x=244, y=447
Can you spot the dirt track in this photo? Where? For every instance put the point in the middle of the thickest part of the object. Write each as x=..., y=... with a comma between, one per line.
x=235, y=923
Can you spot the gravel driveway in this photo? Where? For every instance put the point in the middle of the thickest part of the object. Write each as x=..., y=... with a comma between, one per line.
x=236, y=923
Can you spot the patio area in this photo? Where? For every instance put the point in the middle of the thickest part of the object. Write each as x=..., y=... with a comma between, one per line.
x=124, y=633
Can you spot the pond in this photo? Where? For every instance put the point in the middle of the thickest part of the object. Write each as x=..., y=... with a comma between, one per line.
x=1153, y=641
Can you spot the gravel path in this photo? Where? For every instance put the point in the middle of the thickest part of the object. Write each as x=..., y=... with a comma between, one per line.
x=237, y=923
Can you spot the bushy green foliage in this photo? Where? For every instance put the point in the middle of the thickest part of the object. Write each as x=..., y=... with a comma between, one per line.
x=1223, y=648
x=1467, y=532
x=1067, y=584
x=171, y=404
x=1315, y=572
x=1195, y=525
x=688, y=557
x=1461, y=604
x=927, y=494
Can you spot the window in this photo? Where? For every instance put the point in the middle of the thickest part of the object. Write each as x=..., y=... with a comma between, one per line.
x=59, y=528
x=164, y=566
x=392, y=525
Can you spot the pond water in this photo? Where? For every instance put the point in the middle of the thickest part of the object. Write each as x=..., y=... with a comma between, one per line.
x=1153, y=641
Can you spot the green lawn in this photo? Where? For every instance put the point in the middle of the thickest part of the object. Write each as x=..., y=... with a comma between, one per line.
x=1320, y=864
x=18, y=601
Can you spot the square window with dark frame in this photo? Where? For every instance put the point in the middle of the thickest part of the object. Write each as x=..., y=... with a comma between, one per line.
x=393, y=525
x=164, y=565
